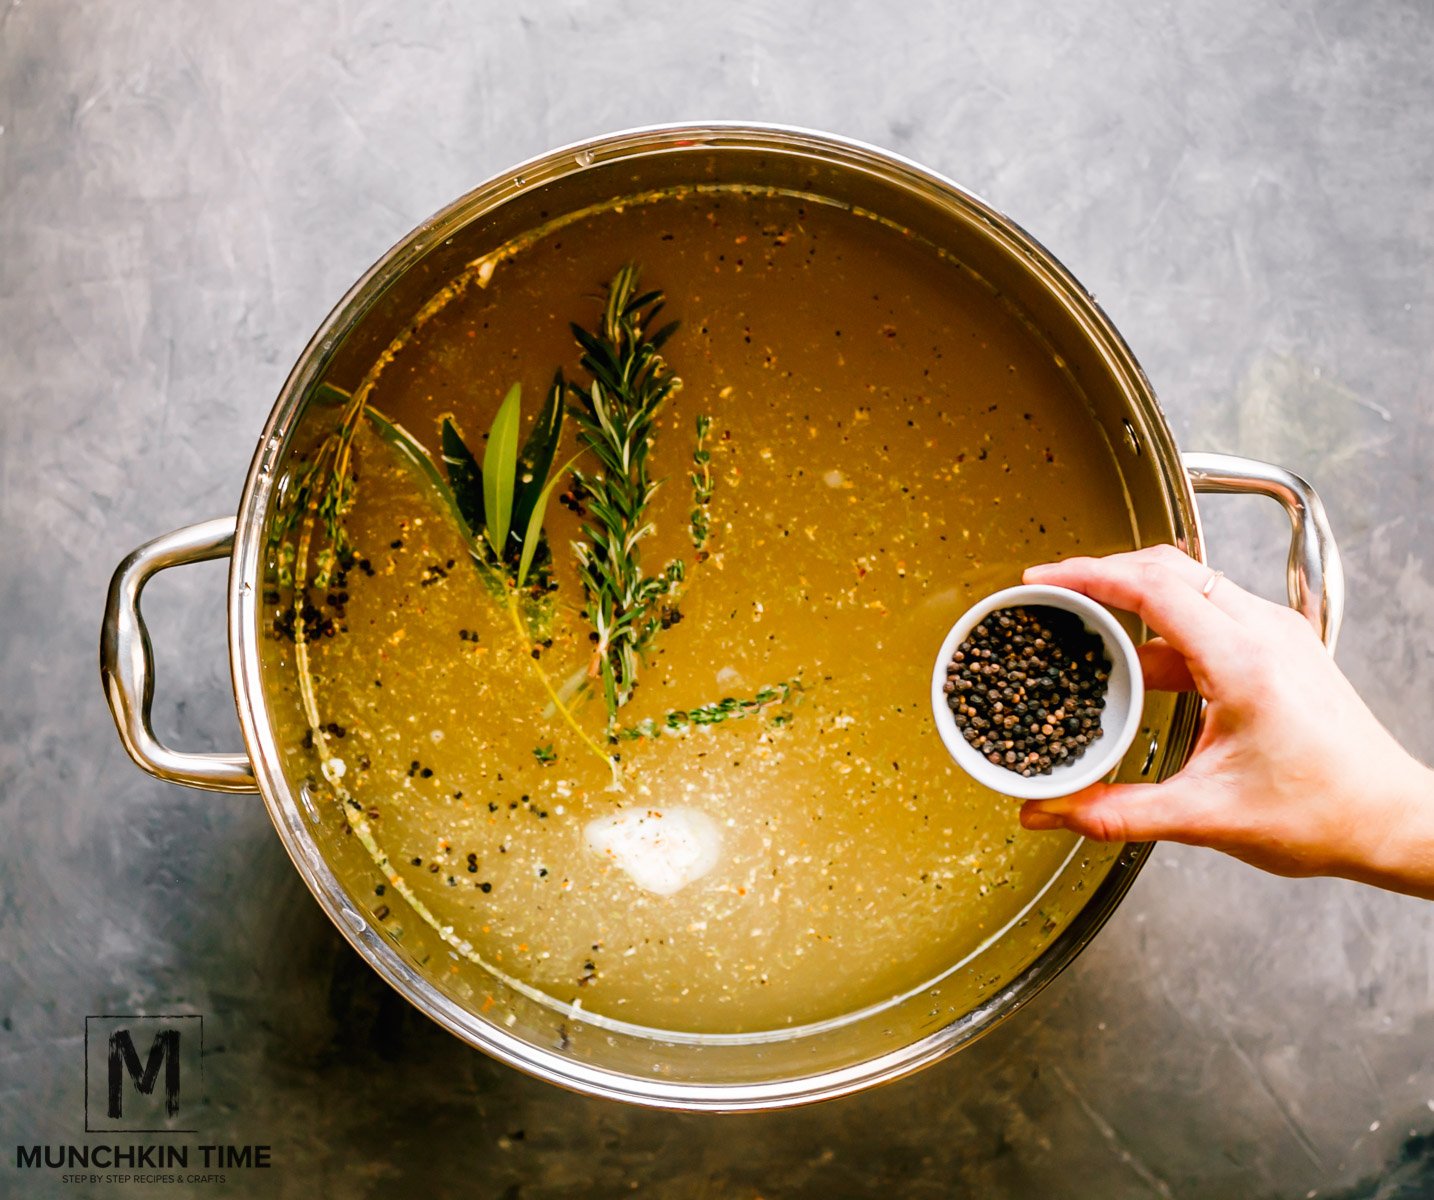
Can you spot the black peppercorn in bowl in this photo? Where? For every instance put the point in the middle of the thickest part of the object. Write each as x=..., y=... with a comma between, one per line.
x=1051, y=326
x=1087, y=742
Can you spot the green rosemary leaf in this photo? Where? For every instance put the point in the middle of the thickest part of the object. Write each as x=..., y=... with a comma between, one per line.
x=592, y=347
x=609, y=685
x=653, y=297
x=599, y=540
x=465, y=476
x=608, y=515
x=663, y=334
x=537, y=456
x=500, y=464
x=596, y=437
x=533, y=531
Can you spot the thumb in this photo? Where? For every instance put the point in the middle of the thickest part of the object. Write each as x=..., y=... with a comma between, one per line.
x=1122, y=812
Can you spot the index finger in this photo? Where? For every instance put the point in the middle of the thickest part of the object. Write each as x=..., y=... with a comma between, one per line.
x=1146, y=583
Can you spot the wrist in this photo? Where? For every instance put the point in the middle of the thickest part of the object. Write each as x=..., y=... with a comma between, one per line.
x=1400, y=855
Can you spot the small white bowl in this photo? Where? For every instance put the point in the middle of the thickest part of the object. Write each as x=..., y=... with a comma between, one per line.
x=1119, y=720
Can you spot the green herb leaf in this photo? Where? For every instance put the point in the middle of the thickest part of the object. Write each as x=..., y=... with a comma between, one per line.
x=465, y=475
x=414, y=456
x=533, y=533
x=500, y=464
x=537, y=455
x=411, y=450
x=699, y=521
x=658, y=338
x=329, y=394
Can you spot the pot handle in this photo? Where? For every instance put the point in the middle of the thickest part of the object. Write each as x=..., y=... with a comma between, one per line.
x=127, y=661
x=1314, y=574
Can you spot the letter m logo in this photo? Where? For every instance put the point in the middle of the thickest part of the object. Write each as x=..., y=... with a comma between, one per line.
x=163, y=1052
x=134, y=1068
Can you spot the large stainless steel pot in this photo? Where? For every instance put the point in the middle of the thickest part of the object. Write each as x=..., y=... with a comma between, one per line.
x=690, y=1071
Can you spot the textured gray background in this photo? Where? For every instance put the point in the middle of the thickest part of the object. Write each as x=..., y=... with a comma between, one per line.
x=186, y=188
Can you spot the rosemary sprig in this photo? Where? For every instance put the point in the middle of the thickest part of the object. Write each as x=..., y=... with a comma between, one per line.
x=615, y=417
x=680, y=720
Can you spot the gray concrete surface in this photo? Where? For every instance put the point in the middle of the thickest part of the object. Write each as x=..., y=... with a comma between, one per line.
x=186, y=188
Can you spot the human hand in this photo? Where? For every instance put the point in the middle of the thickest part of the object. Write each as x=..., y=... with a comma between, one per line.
x=1291, y=771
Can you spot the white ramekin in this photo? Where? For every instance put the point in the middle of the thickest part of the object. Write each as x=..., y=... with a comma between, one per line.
x=1119, y=720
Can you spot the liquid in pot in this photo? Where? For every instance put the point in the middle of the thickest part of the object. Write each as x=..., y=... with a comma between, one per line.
x=888, y=442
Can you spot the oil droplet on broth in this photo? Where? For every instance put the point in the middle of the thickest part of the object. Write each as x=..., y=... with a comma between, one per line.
x=876, y=468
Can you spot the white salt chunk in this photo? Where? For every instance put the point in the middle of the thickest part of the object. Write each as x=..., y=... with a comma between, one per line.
x=661, y=850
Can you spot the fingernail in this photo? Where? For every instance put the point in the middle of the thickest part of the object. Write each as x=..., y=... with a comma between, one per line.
x=1038, y=569
x=1042, y=820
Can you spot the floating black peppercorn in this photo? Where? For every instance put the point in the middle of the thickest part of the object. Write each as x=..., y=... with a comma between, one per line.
x=1027, y=687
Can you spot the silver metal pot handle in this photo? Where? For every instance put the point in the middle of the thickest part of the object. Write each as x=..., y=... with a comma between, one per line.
x=127, y=661
x=1314, y=574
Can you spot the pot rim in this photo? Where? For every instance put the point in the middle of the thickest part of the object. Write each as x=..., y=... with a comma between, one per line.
x=245, y=591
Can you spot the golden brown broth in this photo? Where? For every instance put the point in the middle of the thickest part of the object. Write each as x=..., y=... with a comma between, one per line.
x=890, y=443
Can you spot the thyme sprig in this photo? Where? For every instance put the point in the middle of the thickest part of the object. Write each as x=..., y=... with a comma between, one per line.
x=680, y=720
x=615, y=415
x=321, y=488
x=700, y=520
